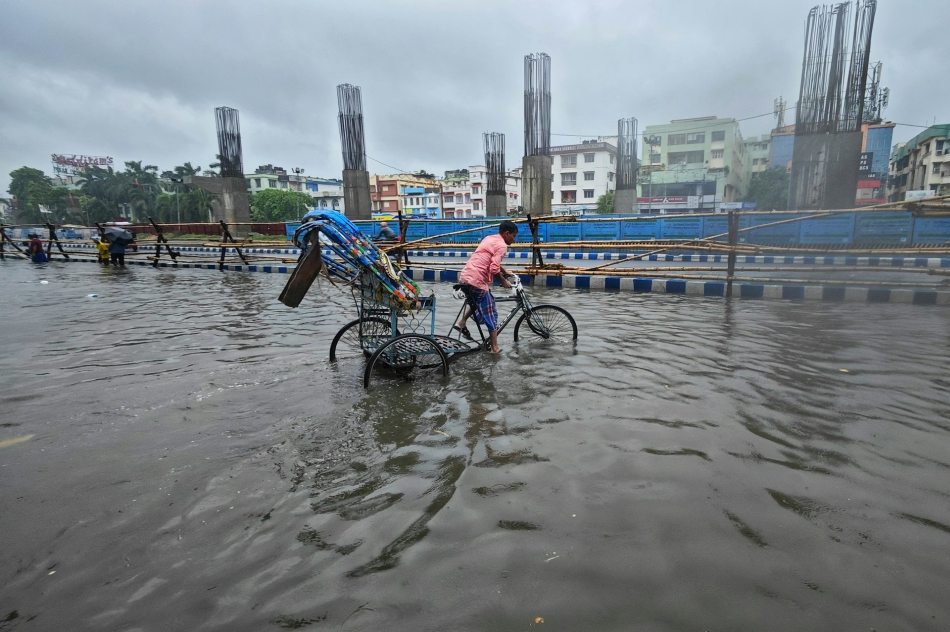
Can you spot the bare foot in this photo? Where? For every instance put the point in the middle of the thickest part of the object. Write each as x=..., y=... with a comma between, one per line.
x=496, y=350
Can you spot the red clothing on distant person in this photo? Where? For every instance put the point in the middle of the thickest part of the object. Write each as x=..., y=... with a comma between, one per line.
x=485, y=262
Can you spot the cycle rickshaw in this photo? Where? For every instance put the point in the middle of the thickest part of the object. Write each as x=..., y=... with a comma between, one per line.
x=395, y=328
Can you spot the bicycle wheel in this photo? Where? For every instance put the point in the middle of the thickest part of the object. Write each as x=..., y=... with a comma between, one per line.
x=404, y=353
x=547, y=322
x=353, y=340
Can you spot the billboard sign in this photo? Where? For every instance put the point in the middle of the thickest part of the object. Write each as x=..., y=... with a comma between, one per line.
x=865, y=161
x=669, y=199
x=74, y=164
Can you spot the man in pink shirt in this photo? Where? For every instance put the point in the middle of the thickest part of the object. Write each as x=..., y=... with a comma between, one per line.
x=477, y=275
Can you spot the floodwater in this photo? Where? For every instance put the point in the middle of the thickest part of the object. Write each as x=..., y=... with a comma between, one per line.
x=176, y=453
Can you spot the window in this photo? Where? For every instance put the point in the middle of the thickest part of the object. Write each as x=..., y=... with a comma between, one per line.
x=718, y=153
x=477, y=206
x=676, y=139
x=696, y=137
x=569, y=160
x=568, y=197
x=611, y=159
x=719, y=135
x=589, y=157
x=385, y=188
x=258, y=180
x=568, y=179
x=588, y=175
x=588, y=194
x=654, y=159
x=685, y=157
x=936, y=168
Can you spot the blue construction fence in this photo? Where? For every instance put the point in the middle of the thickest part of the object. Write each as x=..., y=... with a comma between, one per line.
x=861, y=228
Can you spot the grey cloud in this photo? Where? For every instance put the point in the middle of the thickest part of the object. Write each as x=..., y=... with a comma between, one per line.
x=140, y=82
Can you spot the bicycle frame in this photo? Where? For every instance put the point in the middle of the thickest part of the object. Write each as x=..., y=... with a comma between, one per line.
x=522, y=305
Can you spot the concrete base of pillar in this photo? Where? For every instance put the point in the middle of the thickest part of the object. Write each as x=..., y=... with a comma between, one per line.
x=231, y=202
x=536, y=184
x=356, y=198
x=496, y=205
x=625, y=201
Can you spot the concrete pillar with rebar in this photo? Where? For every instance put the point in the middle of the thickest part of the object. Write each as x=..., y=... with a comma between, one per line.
x=496, y=196
x=625, y=197
x=536, y=166
x=356, y=197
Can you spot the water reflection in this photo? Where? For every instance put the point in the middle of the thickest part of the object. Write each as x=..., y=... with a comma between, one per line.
x=685, y=451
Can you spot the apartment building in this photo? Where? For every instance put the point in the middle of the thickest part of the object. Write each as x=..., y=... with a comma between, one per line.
x=465, y=192
x=582, y=173
x=693, y=165
x=406, y=193
x=757, y=153
x=326, y=193
x=922, y=164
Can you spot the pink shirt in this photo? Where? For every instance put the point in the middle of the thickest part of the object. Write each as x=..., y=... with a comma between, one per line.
x=485, y=262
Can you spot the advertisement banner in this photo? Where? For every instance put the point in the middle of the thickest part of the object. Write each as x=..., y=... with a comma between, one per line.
x=74, y=164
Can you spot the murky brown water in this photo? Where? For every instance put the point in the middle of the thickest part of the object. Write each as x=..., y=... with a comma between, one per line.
x=194, y=462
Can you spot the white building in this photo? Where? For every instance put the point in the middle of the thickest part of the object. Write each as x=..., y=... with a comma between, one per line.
x=326, y=193
x=581, y=174
x=467, y=197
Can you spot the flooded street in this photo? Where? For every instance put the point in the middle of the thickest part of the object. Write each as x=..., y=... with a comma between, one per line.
x=177, y=453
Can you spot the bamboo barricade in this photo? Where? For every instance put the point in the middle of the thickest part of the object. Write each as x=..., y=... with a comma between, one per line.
x=159, y=241
x=4, y=238
x=225, y=238
x=49, y=243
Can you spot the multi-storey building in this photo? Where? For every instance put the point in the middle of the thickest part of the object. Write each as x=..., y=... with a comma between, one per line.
x=581, y=174
x=465, y=194
x=872, y=170
x=922, y=164
x=757, y=153
x=422, y=201
x=390, y=197
x=781, y=147
x=693, y=165
x=326, y=193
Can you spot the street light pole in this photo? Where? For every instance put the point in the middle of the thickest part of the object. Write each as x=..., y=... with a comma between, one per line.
x=297, y=171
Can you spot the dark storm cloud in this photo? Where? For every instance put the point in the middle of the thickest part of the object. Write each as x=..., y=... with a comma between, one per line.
x=139, y=81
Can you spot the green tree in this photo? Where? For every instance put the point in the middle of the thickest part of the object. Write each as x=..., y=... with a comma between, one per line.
x=605, y=203
x=107, y=189
x=30, y=188
x=276, y=205
x=769, y=189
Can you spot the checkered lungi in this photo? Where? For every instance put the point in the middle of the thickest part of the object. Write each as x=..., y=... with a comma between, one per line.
x=485, y=312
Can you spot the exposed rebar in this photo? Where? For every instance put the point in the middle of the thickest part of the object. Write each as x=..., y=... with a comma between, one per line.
x=834, y=74
x=627, y=153
x=494, y=144
x=537, y=104
x=350, y=101
x=230, y=154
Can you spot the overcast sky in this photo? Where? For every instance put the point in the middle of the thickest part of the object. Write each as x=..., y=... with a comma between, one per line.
x=140, y=81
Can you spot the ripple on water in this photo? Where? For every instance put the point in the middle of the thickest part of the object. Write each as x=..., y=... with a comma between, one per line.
x=683, y=451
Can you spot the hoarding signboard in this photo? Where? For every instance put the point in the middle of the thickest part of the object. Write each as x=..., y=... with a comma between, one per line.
x=74, y=164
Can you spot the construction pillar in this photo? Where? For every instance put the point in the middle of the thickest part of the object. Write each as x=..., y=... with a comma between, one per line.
x=356, y=198
x=536, y=184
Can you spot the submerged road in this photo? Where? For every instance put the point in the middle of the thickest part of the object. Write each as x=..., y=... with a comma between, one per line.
x=176, y=453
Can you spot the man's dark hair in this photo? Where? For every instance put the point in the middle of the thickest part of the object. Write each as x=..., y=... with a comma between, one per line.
x=507, y=227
